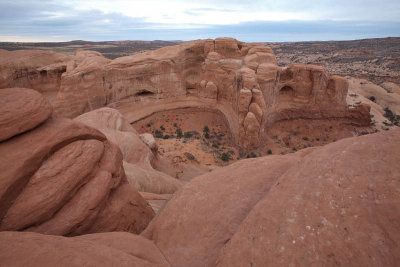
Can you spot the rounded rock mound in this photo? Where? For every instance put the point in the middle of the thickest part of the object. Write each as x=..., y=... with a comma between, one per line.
x=21, y=110
x=64, y=178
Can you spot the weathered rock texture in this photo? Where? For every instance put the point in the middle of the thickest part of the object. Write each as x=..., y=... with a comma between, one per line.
x=137, y=155
x=104, y=249
x=36, y=69
x=61, y=177
x=21, y=110
x=242, y=80
x=334, y=205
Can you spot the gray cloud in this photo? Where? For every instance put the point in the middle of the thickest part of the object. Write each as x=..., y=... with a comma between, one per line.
x=44, y=19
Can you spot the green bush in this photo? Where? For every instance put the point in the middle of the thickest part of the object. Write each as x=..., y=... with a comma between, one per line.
x=252, y=155
x=166, y=136
x=188, y=135
x=225, y=156
x=269, y=151
x=179, y=133
x=158, y=134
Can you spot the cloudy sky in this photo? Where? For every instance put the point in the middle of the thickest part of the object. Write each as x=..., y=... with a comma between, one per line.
x=256, y=20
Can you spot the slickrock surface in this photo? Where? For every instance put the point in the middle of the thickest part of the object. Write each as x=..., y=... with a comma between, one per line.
x=64, y=178
x=241, y=80
x=333, y=205
x=21, y=110
x=137, y=155
x=103, y=249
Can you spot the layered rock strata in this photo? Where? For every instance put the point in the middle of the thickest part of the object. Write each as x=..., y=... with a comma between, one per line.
x=59, y=176
x=242, y=80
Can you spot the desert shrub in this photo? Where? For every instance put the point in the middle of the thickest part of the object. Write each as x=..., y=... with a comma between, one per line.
x=175, y=125
x=162, y=128
x=148, y=124
x=207, y=135
x=187, y=134
x=225, y=156
x=206, y=129
x=395, y=119
x=179, y=133
x=252, y=155
x=305, y=138
x=215, y=145
x=166, y=136
x=269, y=151
x=372, y=98
x=158, y=134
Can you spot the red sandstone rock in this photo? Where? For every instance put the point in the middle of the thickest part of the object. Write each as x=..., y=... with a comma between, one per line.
x=65, y=178
x=137, y=155
x=207, y=71
x=21, y=110
x=36, y=69
x=332, y=205
x=103, y=249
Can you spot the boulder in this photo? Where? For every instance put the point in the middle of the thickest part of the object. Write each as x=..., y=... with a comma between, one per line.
x=65, y=178
x=21, y=110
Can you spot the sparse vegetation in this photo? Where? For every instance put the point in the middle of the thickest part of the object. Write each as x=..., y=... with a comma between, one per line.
x=162, y=128
x=166, y=136
x=158, y=134
x=179, y=133
x=225, y=156
x=187, y=135
x=252, y=155
x=392, y=117
x=206, y=132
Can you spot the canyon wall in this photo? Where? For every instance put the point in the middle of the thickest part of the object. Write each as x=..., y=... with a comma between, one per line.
x=242, y=80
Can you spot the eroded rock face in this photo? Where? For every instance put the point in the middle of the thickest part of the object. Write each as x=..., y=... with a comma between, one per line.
x=229, y=75
x=62, y=177
x=36, y=69
x=321, y=206
x=138, y=151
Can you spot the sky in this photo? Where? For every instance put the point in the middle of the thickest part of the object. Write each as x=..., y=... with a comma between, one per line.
x=250, y=21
